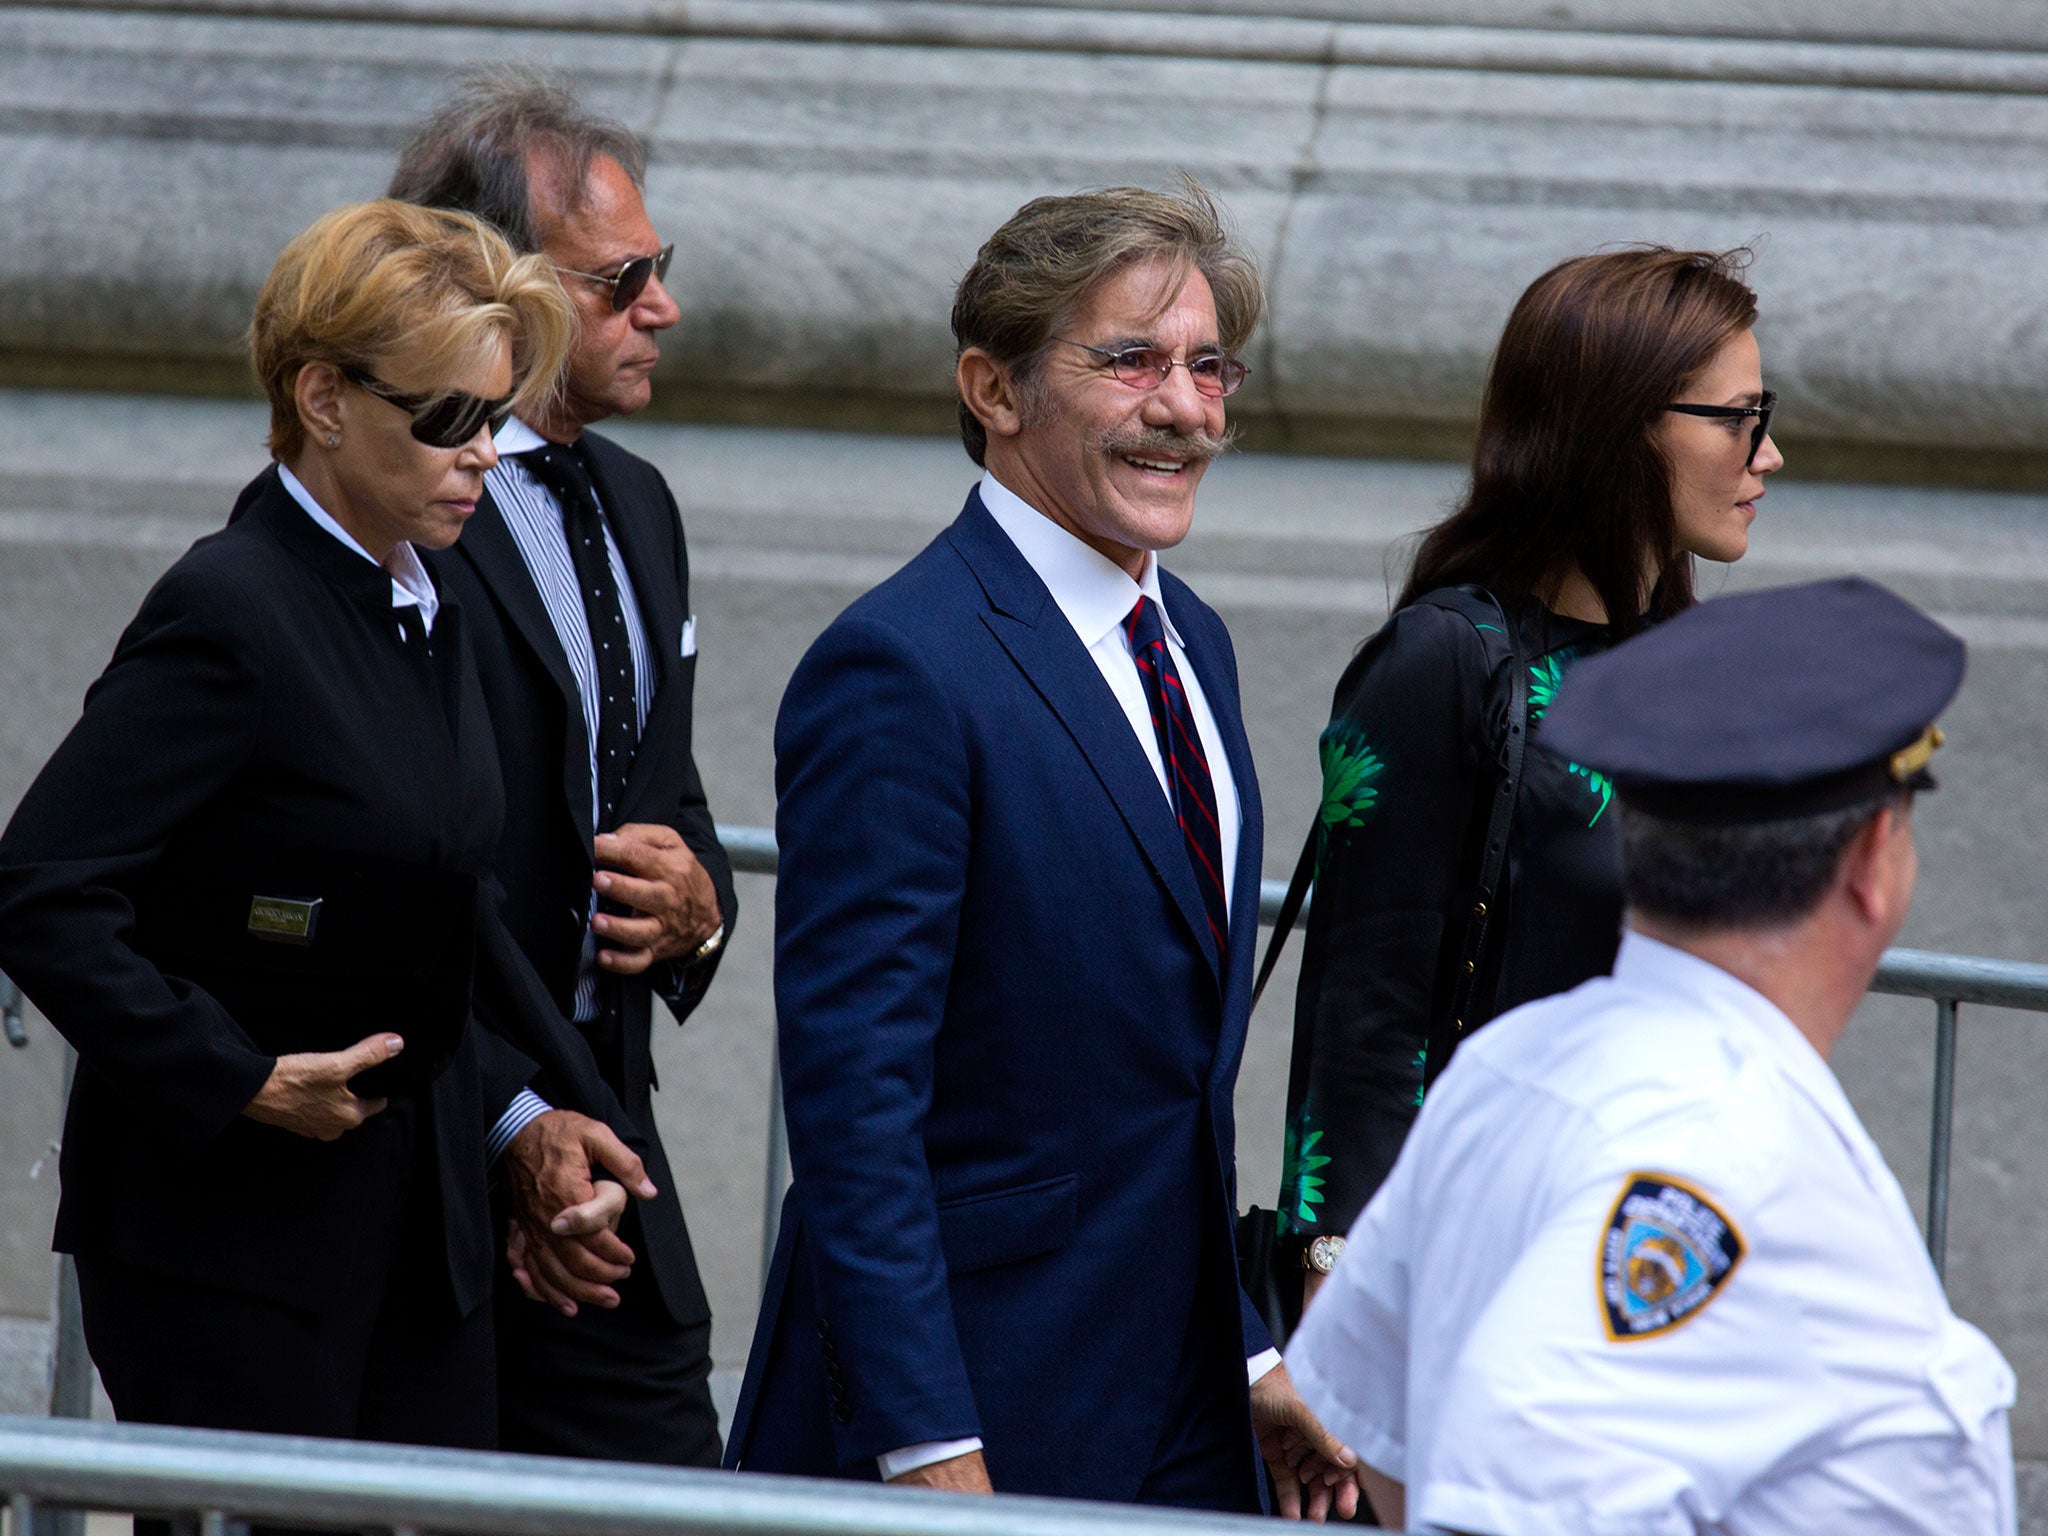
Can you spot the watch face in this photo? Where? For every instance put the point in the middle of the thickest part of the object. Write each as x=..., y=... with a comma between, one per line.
x=1323, y=1254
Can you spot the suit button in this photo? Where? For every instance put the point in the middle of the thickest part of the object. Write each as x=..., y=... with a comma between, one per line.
x=824, y=1329
x=843, y=1414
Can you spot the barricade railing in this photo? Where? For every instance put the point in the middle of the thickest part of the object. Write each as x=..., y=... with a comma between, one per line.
x=226, y=1479
x=1944, y=980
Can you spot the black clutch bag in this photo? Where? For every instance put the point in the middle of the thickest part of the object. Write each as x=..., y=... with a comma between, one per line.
x=312, y=950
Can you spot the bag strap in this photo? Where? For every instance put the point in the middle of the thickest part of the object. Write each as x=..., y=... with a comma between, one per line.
x=1445, y=1034
x=1290, y=909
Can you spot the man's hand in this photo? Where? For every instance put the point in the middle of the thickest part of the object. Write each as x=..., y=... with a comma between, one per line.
x=956, y=1474
x=1311, y=1282
x=1312, y=1469
x=308, y=1093
x=649, y=868
x=599, y=1213
x=568, y=1251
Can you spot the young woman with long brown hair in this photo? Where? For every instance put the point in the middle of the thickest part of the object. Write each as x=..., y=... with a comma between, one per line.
x=1461, y=869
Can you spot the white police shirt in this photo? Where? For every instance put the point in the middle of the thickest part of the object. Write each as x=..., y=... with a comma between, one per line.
x=1640, y=1269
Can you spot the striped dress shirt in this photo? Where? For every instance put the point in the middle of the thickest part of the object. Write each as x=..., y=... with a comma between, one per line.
x=535, y=520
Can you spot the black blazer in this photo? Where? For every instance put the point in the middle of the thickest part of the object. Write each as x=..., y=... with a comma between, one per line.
x=544, y=858
x=262, y=695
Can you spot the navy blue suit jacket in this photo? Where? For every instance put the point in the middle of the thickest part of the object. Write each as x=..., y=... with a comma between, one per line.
x=1008, y=1046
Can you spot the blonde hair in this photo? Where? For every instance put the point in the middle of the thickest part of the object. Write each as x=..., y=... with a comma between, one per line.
x=371, y=284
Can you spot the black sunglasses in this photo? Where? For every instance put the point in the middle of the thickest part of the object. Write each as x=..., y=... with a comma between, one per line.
x=439, y=421
x=1767, y=403
x=630, y=281
x=1216, y=374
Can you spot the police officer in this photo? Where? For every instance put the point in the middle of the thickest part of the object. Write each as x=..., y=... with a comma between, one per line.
x=1640, y=1268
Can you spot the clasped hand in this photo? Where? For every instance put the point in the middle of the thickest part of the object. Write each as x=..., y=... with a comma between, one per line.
x=648, y=867
x=564, y=1247
x=1313, y=1471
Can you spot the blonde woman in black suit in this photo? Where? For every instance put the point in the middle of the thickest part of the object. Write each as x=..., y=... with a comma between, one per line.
x=250, y=885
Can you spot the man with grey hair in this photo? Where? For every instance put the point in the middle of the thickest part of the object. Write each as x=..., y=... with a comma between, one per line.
x=575, y=580
x=1020, y=840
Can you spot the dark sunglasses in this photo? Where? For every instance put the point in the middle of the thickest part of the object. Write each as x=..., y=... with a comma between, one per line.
x=439, y=421
x=1216, y=374
x=1762, y=413
x=630, y=281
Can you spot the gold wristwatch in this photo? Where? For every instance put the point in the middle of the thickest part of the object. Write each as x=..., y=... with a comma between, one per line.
x=1322, y=1254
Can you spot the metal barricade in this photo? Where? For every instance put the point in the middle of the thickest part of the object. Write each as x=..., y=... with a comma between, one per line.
x=1945, y=980
x=226, y=1478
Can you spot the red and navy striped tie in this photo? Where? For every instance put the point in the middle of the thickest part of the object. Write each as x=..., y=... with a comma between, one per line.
x=1187, y=768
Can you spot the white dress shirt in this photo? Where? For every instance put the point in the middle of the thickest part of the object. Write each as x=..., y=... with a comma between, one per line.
x=411, y=586
x=1533, y=1349
x=1097, y=595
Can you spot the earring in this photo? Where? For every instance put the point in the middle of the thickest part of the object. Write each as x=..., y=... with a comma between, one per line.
x=334, y=439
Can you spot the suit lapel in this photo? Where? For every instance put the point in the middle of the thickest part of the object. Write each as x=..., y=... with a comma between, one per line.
x=487, y=544
x=636, y=526
x=1029, y=625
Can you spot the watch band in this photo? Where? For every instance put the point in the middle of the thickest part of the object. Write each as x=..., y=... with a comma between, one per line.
x=708, y=948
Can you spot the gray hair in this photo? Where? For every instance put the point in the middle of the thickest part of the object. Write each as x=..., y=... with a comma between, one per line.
x=473, y=154
x=1750, y=875
x=1033, y=275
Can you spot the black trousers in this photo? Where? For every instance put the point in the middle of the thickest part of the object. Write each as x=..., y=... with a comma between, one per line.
x=388, y=1361
x=621, y=1384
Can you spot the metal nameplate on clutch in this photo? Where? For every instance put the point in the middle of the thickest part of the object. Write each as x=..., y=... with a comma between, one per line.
x=280, y=920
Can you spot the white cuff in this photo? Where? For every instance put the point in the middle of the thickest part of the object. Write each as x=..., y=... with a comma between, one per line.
x=525, y=1109
x=911, y=1457
x=1261, y=1363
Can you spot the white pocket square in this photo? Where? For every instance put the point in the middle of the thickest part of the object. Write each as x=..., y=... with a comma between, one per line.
x=690, y=635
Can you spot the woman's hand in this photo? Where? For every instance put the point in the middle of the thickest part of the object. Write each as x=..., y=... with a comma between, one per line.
x=308, y=1093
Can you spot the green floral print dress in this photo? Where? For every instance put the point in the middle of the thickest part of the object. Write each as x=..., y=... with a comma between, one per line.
x=1410, y=754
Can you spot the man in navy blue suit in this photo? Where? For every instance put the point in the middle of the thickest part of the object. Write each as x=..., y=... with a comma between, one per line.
x=1020, y=838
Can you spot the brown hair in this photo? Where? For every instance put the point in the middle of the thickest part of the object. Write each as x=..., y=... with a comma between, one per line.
x=1034, y=274
x=1567, y=469
x=372, y=283
x=475, y=153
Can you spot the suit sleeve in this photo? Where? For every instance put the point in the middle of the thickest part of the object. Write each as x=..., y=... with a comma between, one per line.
x=1400, y=761
x=684, y=987
x=872, y=772
x=165, y=730
x=534, y=1046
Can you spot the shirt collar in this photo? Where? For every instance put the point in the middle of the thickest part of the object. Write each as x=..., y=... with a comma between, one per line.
x=516, y=437
x=1093, y=591
x=411, y=586
x=1652, y=965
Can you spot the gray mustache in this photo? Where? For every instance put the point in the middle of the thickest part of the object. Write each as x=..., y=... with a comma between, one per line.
x=1142, y=442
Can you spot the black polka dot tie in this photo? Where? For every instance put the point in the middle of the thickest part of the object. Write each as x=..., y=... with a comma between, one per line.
x=565, y=472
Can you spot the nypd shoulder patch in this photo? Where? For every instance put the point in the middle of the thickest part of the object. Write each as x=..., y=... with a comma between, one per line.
x=1666, y=1252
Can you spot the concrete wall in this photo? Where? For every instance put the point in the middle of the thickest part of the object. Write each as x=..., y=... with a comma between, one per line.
x=828, y=169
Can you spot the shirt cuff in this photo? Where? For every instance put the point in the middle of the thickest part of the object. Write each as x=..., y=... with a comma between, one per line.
x=1261, y=1363
x=525, y=1109
x=911, y=1457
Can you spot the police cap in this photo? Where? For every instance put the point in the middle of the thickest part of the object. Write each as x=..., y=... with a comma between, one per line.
x=1789, y=702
